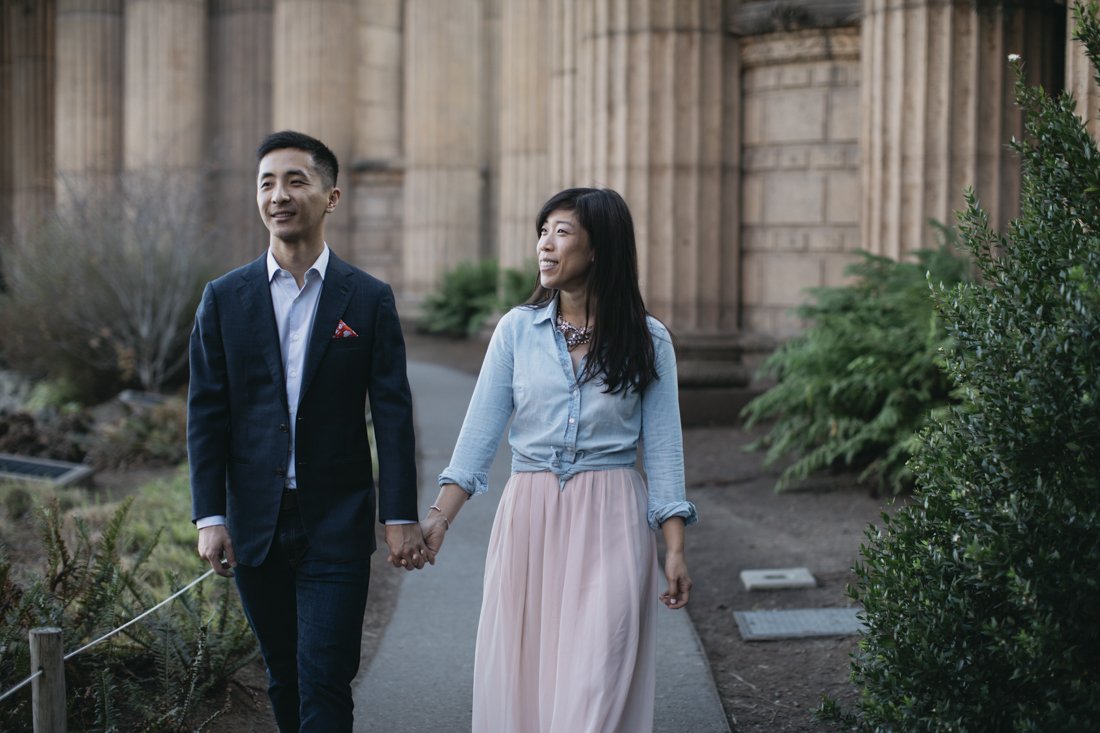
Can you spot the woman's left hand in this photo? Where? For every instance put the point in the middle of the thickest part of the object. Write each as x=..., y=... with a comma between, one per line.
x=679, y=582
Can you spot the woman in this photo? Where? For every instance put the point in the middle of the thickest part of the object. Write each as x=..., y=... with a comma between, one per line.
x=567, y=636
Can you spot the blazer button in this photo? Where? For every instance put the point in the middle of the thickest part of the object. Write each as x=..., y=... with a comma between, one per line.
x=279, y=472
x=284, y=428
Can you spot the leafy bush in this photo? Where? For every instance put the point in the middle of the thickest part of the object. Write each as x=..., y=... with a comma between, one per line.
x=150, y=676
x=858, y=385
x=982, y=598
x=108, y=286
x=468, y=295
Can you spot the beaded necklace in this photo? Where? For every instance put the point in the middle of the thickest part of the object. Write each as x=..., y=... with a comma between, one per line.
x=574, y=336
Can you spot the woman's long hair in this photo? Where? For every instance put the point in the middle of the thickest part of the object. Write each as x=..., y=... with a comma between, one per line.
x=621, y=350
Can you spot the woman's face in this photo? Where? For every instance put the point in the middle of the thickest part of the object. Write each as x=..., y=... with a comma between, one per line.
x=564, y=255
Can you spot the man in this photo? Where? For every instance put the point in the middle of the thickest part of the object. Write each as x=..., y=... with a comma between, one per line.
x=283, y=356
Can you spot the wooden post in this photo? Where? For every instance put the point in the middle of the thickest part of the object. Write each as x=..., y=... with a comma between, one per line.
x=48, y=691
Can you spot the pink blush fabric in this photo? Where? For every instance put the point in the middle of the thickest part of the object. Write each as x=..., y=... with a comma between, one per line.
x=568, y=631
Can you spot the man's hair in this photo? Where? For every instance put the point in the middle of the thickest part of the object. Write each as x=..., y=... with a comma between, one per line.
x=323, y=159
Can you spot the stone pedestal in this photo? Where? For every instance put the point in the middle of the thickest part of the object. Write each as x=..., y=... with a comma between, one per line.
x=29, y=30
x=651, y=98
x=938, y=110
x=524, y=139
x=165, y=62
x=240, y=94
x=314, y=88
x=88, y=127
x=379, y=164
x=444, y=142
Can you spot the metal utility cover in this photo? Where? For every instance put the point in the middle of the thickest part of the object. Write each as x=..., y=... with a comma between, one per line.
x=779, y=578
x=767, y=625
x=58, y=473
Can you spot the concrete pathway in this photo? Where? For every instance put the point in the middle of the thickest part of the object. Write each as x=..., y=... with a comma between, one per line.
x=421, y=678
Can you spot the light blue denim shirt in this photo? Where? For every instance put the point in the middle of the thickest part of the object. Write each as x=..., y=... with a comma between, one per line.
x=567, y=428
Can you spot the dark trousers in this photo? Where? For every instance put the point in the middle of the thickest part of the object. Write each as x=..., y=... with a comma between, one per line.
x=308, y=615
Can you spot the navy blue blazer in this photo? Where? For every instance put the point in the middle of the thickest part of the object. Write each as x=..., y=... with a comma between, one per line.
x=238, y=437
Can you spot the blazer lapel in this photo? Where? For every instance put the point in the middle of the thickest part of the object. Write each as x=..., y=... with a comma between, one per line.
x=335, y=296
x=255, y=294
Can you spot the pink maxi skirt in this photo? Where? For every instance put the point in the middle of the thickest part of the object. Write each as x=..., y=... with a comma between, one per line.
x=568, y=631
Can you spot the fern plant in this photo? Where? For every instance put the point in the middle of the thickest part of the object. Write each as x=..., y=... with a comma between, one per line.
x=150, y=676
x=469, y=294
x=858, y=385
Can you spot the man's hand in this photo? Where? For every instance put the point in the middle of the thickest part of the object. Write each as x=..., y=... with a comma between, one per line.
x=214, y=545
x=434, y=528
x=407, y=548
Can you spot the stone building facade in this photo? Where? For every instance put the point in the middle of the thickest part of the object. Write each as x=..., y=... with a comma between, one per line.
x=758, y=143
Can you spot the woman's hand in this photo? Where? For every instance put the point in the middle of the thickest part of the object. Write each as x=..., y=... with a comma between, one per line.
x=676, y=569
x=434, y=529
x=679, y=582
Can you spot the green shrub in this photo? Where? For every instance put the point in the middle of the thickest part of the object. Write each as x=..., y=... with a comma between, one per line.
x=150, y=676
x=468, y=295
x=982, y=597
x=858, y=385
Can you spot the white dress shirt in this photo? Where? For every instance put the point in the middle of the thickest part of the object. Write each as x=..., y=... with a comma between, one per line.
x=295, y=311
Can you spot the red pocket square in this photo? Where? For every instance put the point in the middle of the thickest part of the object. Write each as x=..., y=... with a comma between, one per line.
x=344, y=332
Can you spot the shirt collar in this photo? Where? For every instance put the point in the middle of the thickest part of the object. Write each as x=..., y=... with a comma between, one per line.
x=548, y=311
x=320, y=265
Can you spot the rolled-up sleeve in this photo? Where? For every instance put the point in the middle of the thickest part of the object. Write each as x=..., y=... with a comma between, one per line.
x=487, y=416
x=662, y=440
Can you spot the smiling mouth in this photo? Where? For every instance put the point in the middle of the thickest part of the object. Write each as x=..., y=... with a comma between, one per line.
x=282, y=215
x=547, y=264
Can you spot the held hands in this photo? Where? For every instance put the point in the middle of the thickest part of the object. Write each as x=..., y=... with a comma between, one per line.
x=407, y=546
x=214, y=542
x=679, y=582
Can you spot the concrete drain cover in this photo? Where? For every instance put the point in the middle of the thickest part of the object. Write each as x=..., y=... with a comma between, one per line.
x=59, y=473
x=766, y=625
x=779, y=578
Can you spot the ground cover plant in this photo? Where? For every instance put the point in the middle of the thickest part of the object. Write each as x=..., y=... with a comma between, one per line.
x=982, y=597
x=857, y=386
x=99, y=566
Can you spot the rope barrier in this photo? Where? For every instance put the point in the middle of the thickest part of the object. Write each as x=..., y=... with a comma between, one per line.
x=109, y=634
x=24, y=683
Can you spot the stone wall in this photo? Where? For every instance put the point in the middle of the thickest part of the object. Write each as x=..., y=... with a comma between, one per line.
x=800, y=162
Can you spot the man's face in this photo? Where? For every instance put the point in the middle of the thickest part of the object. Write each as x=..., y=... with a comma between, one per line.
x=292, y=196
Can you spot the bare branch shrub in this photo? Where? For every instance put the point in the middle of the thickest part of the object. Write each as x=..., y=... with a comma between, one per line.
x=111, y=281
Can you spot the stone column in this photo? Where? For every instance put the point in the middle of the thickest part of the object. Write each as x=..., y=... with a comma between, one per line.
x=562, y=112
x=649, y=122
x=6, y=103
x=1081, y=81
x=164, y=85
x=938, y=110
x=240, y=114
x=444, y=182
x=88, y=129
x=379, y=164
x=314, y=88
x=30, y=37
x=800, y=163
x=524, y=139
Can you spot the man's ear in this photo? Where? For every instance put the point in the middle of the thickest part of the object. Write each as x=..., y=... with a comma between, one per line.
x=333, y=199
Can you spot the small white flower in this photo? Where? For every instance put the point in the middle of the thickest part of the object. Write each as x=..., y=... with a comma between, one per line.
x=1014, y=57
